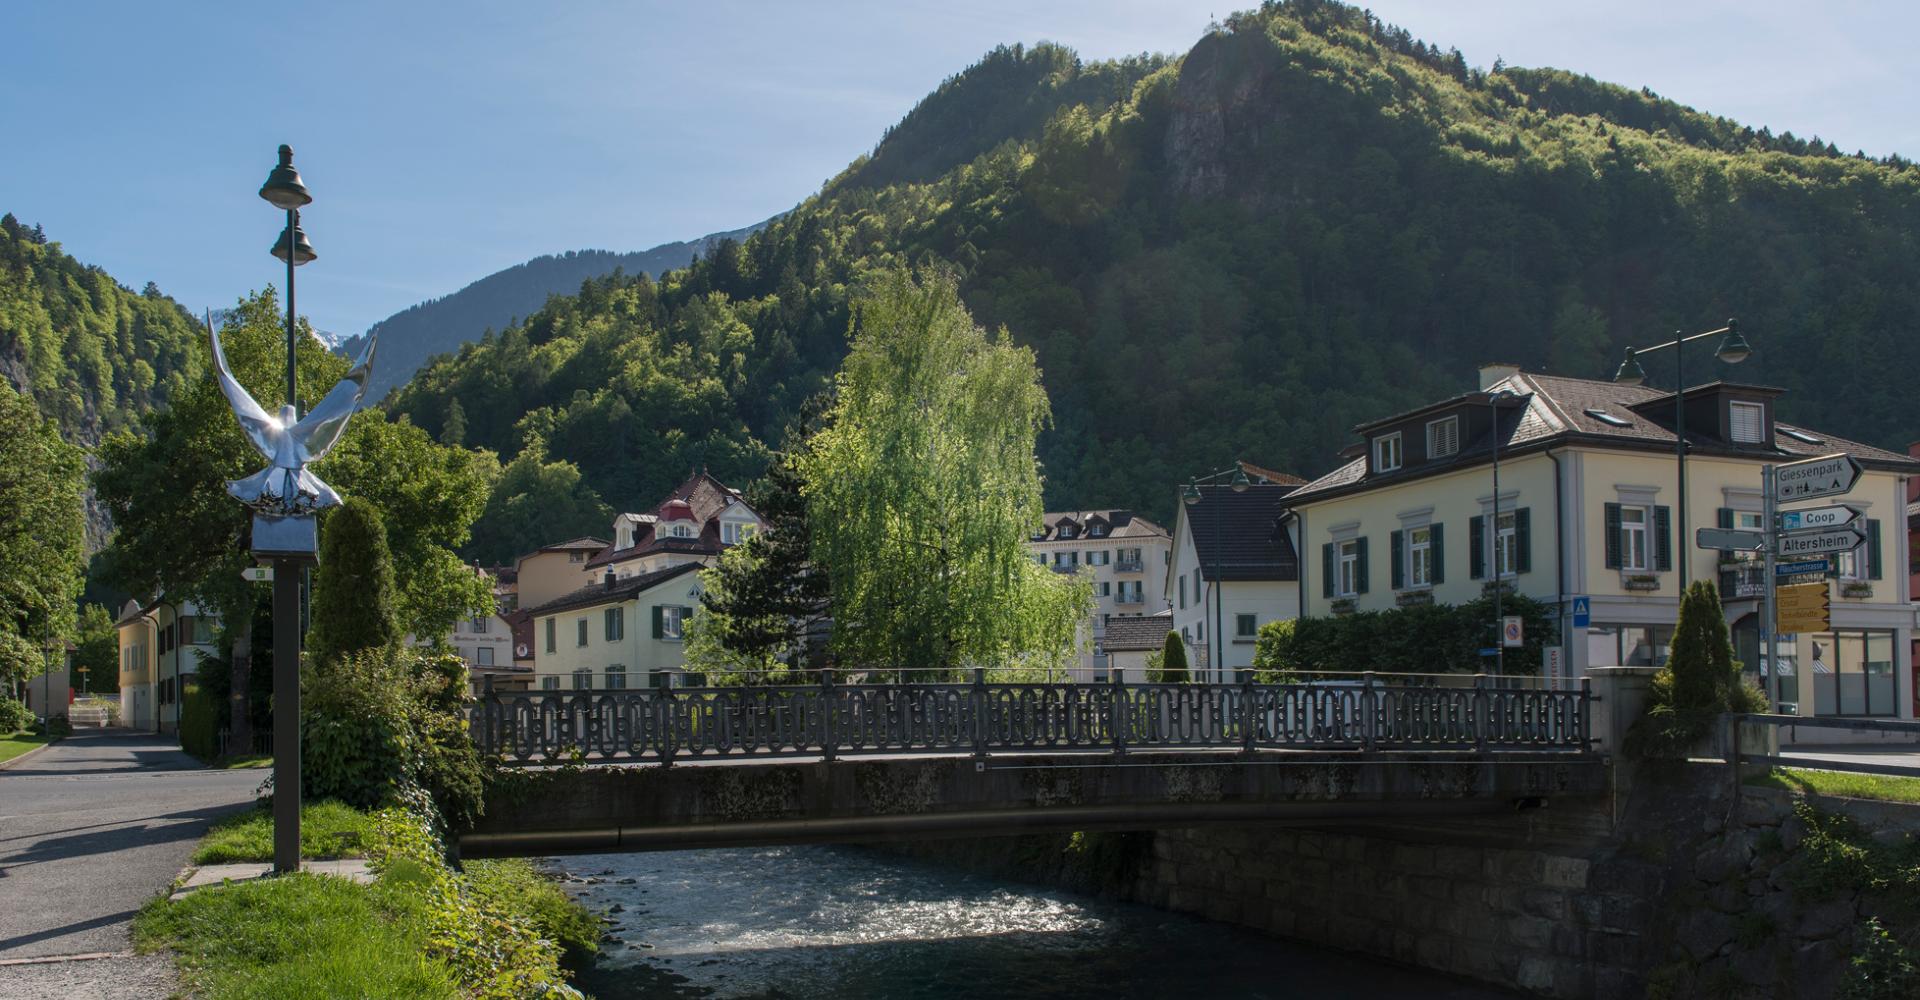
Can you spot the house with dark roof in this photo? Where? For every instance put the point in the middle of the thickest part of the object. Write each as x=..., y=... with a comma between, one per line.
x=616, y=632
x=1233, y=568
x=1130, y=639
x=694, y=522
x=1122, y=554
x=1588, y=508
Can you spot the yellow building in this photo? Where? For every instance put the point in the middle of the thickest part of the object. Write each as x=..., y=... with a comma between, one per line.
x=618, y=633
x=161, y=646
x=1587, y=508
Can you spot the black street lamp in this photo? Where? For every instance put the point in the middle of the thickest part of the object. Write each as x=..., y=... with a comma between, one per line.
x=1190, y=495
x=1494, y=399
x=1733, y=349
x=284, y=190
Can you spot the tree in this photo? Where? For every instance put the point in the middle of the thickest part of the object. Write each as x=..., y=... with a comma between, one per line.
x=1173, y=662
x=1700, y=681
x=535, y=501
x=97, y=648
x=41, y=536
x=923, y=487
x=454, y=431
x=353, y=593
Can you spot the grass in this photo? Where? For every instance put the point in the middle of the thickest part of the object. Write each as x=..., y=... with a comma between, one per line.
x=1841, y=784
x=297, y=936
x=19, y=743
x=328, y=829
x=521, y=888
x=244, y=762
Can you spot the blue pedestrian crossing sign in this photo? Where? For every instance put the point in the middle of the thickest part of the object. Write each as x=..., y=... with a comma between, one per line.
x=1582, y=612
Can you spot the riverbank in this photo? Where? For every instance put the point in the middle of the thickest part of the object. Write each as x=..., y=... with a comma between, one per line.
x=420, y=928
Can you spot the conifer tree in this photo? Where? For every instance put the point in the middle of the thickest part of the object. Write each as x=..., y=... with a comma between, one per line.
x=353, y=591
x=1173, y=661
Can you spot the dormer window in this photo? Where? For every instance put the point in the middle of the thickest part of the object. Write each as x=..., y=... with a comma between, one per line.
x=1443, y=437
x=1747, y=422
x=1097, y=529
x=1386, y=452
x=1066, y=531
x=735, y=532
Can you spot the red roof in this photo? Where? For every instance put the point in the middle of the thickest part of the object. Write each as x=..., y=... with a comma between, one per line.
x=699, y=499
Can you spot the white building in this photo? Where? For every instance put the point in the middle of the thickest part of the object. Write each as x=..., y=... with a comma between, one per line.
x=1123, y=554
x=161, y=646
x=1234, y=569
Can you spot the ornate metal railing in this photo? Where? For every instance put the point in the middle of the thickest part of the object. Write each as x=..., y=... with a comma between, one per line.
x=661, y=725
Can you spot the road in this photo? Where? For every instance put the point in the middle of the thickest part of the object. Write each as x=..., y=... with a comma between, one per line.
x=91, y=828
x=1884, y=754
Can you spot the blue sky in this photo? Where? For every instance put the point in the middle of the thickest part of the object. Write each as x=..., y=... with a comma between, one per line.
x=446, y=141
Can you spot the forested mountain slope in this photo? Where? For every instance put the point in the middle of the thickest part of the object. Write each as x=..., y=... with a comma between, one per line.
x=410, y=337
x=1308, y=220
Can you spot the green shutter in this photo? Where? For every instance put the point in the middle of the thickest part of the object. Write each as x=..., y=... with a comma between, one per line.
x=659, y=623
x=1523, y=540
x=1398, y=554
x=1663, y=538
x=1613, y=536
x=1360, y=565
x=1476, y=548
x=1439, y=554
x=1326, y=572
x=1873, y=548
x=1725, y=516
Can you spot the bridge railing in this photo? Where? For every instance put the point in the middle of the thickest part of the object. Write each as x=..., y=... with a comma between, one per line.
x=1370, y=713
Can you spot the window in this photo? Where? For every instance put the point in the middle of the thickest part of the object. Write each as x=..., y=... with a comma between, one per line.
x=669, y=621
x=1347, y=582
x=1386, y=452
x=1628, y=645
x=1097, y=530
x=1853, y=673
x=577, y=555
x=478, y=625
x=1802, y=436
x=549, y=683
x=1099, y=557
x=580, y=631
x=1245, y=626
x=1633, y=538
x=617, y=677
x=1608, y=418
x=1506, y=545
x=583, y=679
x=551, y=644
x=1067, y=531
x=1040, y=557
x=1745, y=520
x=1443, y=437
x=1748, y=422
x=680, y=529
x=1130, y=592
x=1420, y=557
x=202, y=630
x=1106, y=588
x=1183, y=591
x=483, y=656
x=616, y=624
x=734, y=532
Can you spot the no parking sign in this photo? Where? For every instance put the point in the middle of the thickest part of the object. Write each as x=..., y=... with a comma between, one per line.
x=1511, y=634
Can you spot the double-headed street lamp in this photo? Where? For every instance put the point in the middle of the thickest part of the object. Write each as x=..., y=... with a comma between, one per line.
x=1733, y=350
x=1190, y=495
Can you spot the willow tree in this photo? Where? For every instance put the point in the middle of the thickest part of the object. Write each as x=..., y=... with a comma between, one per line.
x=923, y=488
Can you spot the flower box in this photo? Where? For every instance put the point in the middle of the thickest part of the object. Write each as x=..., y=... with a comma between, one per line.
x=1344, y=606
x=1641, y=583
x=1411, y=598
x=1856, y=591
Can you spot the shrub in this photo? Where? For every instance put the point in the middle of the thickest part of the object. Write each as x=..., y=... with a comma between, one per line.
x=199, y=721
x=14, y=715
x=1882, y=968
x=1428, y=638
x=1171, y=668
x=353, y=590
x=1700, y=680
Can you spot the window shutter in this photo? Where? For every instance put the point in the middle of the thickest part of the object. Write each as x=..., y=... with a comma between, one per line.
x=1726, y=521
x=1613, y=536
x=659, y=624
x=1360, y=565
x=1439, y=554
x=1663, y=538
x=1476, y=547
x=1326, y=572
x=1397, y=553
x=1873, y=548
x=1523, y=540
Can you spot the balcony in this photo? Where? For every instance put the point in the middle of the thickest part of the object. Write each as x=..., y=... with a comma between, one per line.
x=1064, y=568
x=1129, y=597
x=1743, y=582
x=1128, y=566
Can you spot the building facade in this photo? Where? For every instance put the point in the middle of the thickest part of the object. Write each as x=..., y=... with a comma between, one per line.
x=1122, y=554
x=622, y=632
x=1588, y=509
x=161, y=646
x=1234, y=568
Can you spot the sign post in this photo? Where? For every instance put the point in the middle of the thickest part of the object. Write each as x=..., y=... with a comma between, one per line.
x=1808, y=535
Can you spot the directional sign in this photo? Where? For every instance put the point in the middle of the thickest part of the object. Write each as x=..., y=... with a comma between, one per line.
x=257, y=574
x=1817, y=518
x=1727, y=538
x=1804, y=566
x=1820, y=543
x=1831, y=475
x=1802, y=608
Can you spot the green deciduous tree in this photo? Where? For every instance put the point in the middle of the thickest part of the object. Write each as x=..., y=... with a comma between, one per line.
x=923, y=488
x=353, y=594
x=42, y=534
x=534, y=502
x=96, y=645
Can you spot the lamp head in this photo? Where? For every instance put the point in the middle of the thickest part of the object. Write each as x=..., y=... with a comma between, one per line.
x=293, y=240
x=1630, y=372
x=1733, y=347
x=284, y=189
x=1190, y=494
x=1239, y=482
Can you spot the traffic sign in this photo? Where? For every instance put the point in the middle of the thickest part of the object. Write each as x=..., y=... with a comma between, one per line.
x=1815, y=518
x=1803, y=595
x=1728, y=538
x=1802, y=607
x=257, y=574
x=1801, y=567
x=1582, y=611
x=1510, y=632
x=1827, y=476
x=1819, y=543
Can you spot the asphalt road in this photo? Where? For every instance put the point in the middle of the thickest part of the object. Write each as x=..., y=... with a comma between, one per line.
x=92, y=828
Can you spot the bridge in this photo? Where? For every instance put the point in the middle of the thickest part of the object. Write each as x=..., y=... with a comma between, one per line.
x=659, y=769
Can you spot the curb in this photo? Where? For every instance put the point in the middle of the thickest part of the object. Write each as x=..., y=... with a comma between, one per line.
x=15, y=762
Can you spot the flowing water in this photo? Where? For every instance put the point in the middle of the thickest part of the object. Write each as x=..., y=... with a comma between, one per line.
x=800, y=923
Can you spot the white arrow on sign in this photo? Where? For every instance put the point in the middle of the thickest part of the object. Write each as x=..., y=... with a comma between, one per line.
x=1830, y=475
x=1818, y=543
x=257, y=574
x=1818, y=518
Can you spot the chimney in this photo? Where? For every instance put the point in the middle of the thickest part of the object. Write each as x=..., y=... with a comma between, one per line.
x=609, y=579
x=1492, y=372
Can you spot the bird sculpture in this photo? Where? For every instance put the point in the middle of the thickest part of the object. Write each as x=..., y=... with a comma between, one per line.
x=285, y=488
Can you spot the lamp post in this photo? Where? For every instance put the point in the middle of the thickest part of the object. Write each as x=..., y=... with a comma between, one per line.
x=1733, y=349
x=285, y=191
x=1191, y=496
x=1494, y=399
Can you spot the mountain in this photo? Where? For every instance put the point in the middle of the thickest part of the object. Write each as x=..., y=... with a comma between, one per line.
x=1309, y=219
x=409, y=337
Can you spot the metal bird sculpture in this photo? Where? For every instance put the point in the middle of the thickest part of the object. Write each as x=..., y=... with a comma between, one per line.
x=286, y=488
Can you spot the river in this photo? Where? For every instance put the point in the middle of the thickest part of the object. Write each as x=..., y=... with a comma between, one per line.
x=800, y=923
